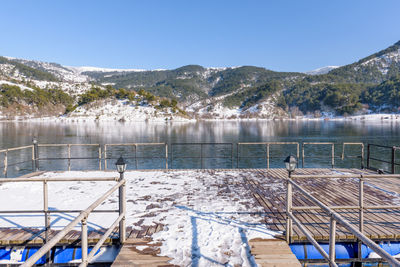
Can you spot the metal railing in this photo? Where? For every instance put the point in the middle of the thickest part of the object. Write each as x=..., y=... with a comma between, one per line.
x=392, y=163
x=169, y=154
x=5, y=152
x=37, y=157
x=135, y=147
x=334, y=216
x=81, y=218
x=267, y=152
x=201, y=155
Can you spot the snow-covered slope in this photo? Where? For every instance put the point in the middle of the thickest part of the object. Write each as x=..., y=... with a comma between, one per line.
x=322, y=70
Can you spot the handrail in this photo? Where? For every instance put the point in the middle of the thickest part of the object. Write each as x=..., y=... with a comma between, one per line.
x=5, y=160
x=335, y=217
x=57, y=179
x=392, y=161
x=319, y=143
x=80, y=218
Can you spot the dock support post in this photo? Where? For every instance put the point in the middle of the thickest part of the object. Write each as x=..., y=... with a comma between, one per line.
x=122, y=210
x=332, y=241
x=84, y=241
x=288, y=211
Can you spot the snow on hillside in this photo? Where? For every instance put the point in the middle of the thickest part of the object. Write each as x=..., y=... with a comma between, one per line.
x=98, y=69
x=121, y=110
x=322, y=70
x=15, y=84
x=384, y=61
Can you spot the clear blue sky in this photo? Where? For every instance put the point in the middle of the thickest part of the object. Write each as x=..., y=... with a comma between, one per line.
x=279, y=35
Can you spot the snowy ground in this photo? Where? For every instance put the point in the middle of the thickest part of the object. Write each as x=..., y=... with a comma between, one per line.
x=207, y=218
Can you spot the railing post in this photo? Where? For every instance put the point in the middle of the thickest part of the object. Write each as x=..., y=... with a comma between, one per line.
x=136, y=162
x=105, y=156
x=99, y=157
x=361, y=213
x=237, y=156
x=302, y=155
x=393, y=159
x=288, y=211
x=36, y=153
x=362, y=156
x=201, y=155
x=166, y=156
x=122, y=210
x=5, y=163
x=368, y=155
x=267, y=156
x=231, y=155
x=69, y=157
x=333, y=156
x=332, y=241
x=46, y=216
x=84, y=241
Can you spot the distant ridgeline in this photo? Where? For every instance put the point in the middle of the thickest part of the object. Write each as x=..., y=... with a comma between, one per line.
x=370, y=85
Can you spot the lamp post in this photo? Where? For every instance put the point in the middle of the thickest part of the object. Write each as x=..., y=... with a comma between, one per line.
x=121, y=167
x=290, y=164
x=35, y=154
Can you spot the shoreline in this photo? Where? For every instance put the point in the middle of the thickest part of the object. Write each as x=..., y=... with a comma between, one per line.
x=358, y=118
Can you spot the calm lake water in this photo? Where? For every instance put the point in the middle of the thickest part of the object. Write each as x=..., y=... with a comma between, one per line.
x=188, y=156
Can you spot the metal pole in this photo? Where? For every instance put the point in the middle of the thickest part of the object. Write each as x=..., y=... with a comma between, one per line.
x=267, y=156
x=393, y=159
x=232, y=155
x=332, y=241
x=136, y=163
x=288, y=210
x=368, y=155
x=166, y=156
x=105, y=156
x=362, y=156
x=84, y=240
x=302, y=155
x=122, y=210
x=46, y=216
x=237, y=155
x=99, y=157
x=69, y=157
x=361, y=213
x=201, y=155
x=5, y=163
x=36, y=149
x=333, y=156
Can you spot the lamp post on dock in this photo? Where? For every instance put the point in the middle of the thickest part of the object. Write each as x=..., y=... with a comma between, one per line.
x=121, y=167
x=290, y=164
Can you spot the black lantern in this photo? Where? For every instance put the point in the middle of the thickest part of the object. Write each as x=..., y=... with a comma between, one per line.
x=290, y=164
x=121, y=165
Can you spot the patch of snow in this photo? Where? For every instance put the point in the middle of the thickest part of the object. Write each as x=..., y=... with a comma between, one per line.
x=322, y=70
x=23, y=87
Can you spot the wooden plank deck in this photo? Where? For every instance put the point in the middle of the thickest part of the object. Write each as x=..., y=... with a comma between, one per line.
x=380, y=224
x=272, y=253
x=268, y=189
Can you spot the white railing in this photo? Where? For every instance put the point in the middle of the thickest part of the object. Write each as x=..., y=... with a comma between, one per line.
x=334, y=216
x=81, y=218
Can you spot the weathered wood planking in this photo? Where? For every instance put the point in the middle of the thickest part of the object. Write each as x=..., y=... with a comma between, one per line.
x=272, y=253
x=378, y=224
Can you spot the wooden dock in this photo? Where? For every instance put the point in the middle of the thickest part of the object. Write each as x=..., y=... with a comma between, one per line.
x=381, y=224
x=268, y=189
